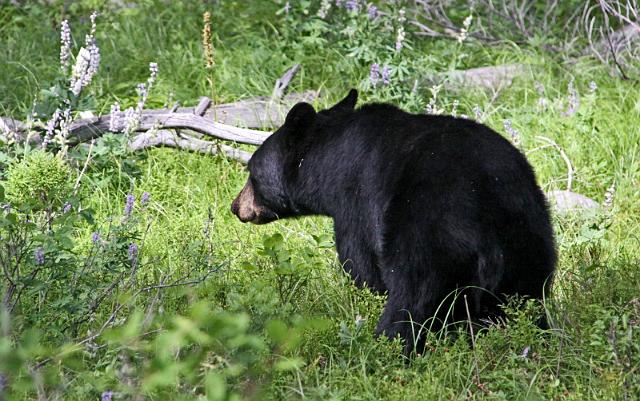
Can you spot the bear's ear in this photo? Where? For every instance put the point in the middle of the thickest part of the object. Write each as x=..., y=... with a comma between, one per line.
x=300, y=117
x=347, y=104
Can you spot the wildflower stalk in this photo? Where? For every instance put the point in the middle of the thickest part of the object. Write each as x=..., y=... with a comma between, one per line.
x=208, y=57
x=461, y=37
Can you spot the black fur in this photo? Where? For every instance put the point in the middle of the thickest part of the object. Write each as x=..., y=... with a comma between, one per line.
x=422, y=205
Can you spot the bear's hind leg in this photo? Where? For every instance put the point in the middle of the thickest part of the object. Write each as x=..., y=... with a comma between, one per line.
x=414, y=306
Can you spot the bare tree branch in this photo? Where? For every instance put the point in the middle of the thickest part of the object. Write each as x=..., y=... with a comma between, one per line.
x=172, y=139
x=86, y=129
x=283, y=83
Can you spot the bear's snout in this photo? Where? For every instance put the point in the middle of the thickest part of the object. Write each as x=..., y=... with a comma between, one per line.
x=248, y=210
x=243, y=206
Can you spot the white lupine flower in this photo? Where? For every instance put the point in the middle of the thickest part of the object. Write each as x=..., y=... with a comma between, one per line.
x=401, y=17
x=574, y=100
x=454, y=108
x=130, y=120
x=87, y=61
x=400, y=39
x=94, y=63
x=94, y=51
x=153, y=68
x=608, y=196
x=464, y=32
x=65, y=45
x=400, y=35
x=51, y=126
x=80, y=70
x=142, y=90
x=325, y=6
x=114, y=120
x=93, y=17
x=62, y=136
x=477, y=112
x=132, y=116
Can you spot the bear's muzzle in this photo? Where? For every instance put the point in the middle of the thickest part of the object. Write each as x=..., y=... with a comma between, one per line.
x=248, y=209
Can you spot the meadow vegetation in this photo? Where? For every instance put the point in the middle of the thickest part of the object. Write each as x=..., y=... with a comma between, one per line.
x=127, y=276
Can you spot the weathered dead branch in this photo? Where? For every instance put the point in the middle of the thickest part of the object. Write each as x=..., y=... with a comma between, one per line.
x=86, y=129
x=177, y=140
x=185, y=127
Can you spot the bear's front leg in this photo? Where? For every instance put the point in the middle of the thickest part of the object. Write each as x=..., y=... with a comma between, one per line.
x=359, y=260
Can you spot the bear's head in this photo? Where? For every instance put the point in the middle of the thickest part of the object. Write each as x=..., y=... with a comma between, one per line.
x=266, y=194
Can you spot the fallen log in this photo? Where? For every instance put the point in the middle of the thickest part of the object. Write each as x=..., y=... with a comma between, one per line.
x=566, y=201
x=491, y=77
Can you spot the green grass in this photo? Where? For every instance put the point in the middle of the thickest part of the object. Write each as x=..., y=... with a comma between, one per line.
x=593, y=351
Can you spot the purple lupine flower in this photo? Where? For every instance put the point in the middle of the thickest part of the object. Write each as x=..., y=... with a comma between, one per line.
x=352, y=5
x=106, y=395
x=593, y=86
x=287, y=7
x=95, y=237
x=128, y=205
x=372, y=11
x=374, y=74
x=66, y=208
x=386, y=75
x=525, y=352
x=339, y=3
x=514, y=133
x=144, y=198
x=39, y=256
x=133, y=254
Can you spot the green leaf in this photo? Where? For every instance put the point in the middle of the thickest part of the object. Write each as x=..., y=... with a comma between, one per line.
x=277, y=331
x=215, y=387
x=287, y=364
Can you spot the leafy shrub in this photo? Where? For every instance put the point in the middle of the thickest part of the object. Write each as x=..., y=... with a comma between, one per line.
x=40, y=179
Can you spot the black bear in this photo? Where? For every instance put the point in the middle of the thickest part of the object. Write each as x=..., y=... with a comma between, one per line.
x=425, y=208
